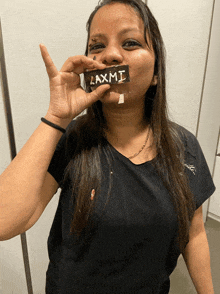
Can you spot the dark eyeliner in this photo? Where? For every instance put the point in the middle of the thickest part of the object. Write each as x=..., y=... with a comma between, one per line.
x=94, y=46
x=133, y=42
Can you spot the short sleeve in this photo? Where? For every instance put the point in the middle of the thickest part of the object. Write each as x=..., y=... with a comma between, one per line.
x=197, y=168
x=60, y=158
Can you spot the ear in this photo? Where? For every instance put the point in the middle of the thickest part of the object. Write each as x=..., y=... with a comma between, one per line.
x=154, y=81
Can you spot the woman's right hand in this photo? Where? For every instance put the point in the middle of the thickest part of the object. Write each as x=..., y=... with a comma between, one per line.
x=67, y=97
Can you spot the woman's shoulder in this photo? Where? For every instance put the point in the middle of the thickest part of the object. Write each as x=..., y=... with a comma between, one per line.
x=188, y=139
x=182, y=131
x=197, y=168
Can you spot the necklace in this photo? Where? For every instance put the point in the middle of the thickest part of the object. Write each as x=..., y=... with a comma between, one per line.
x=136, y=154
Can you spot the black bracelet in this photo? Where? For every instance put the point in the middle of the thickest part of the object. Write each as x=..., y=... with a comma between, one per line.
x=53, y=125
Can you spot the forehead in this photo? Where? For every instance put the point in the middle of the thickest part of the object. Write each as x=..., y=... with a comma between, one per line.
x=116, y=15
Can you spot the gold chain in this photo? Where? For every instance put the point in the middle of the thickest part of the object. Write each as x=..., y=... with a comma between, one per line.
x=136, y=154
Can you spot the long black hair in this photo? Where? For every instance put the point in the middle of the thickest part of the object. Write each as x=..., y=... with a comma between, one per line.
x=84, y=168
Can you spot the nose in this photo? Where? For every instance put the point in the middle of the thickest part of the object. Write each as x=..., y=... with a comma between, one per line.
x=112, y=55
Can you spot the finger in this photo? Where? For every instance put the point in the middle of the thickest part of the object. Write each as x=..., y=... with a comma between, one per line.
x=99, y=92
x=79, y=64
x=51, y=68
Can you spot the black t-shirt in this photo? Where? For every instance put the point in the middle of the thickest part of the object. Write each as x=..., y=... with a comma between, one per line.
x=133, y=248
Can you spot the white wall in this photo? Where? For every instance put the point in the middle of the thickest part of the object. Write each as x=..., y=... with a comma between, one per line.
x=209, y=122
x=25, y=24
x=60, y=25
x=185, y=28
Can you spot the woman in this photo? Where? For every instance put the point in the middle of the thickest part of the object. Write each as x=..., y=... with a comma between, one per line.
x=132, y=181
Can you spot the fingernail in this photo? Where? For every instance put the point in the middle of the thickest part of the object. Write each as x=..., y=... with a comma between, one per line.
x=94, y=58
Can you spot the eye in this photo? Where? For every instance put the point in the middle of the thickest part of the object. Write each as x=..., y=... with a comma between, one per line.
x=96, y=47
x=131, y=44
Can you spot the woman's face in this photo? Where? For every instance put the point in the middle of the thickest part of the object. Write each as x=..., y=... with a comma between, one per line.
x=117, y=38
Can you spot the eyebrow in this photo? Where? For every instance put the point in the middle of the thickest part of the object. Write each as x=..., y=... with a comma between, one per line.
x=122, y=32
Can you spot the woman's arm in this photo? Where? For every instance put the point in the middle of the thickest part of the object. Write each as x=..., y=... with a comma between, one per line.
x=197, y=256
x=25, y=186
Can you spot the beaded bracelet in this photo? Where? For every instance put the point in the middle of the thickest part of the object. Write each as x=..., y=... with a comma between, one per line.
x=53, y=125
